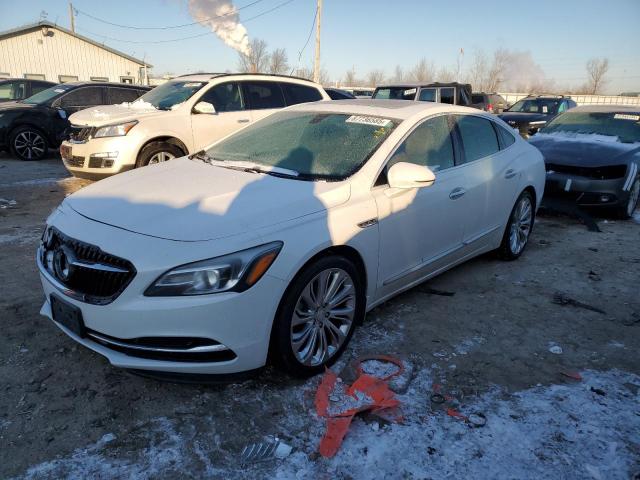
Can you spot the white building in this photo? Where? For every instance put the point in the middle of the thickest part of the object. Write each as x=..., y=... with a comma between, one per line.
x=46, y=51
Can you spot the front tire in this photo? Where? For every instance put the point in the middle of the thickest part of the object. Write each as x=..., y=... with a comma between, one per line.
x=28, y=143
x=317, y=316
x=158, y=152
x=516, y=235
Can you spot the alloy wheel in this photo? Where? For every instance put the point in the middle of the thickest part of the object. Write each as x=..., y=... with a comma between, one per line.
x=521, y=221
x=29, y=145
x=634, y=194
x=323, y=316
x=161, y=157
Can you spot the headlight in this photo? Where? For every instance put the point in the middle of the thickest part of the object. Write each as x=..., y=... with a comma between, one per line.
x=234, y=272
x=119, y=130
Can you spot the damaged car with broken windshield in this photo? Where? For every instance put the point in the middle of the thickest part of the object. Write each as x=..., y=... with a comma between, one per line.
x=276, y=240
x=592, y=155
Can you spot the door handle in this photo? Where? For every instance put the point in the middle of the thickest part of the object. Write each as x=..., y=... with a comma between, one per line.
x=510, y=173
x=457, y=193
x=244, y=120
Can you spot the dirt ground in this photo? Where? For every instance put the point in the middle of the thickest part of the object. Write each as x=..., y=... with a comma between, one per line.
x=65, y=412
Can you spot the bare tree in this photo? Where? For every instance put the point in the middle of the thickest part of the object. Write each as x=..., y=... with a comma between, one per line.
x=477, y=75
x=398, y=75
x=446, y=75
x=350, y=78
x=278, y=62
x=495, y=74
x=597, y=68
x=375, y=78
x=256, y=60
x=422, y=71
x=306, y=72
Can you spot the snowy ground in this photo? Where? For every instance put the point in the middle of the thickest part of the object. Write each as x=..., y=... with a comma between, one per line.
x=499, y=346
x=581, y=429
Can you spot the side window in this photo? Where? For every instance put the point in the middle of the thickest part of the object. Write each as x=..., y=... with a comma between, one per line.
x=224, y=97
x=448, y=95
x=430, y=145
x=427, y=95
x=479, y=139
x=121, y=95
x=294, y=93
x=83, y=97
x=562, y=107
x=261, y=95
x=507, y=139
x=12, y=91
x=37, y=87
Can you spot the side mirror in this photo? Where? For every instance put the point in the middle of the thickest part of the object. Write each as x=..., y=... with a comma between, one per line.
x=410, y=175
x=205, y=108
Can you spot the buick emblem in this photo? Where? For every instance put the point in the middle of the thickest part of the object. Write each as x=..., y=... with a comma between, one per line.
x=63, y=262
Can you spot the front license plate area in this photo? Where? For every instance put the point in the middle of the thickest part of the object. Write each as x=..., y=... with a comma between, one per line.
x=67, y=315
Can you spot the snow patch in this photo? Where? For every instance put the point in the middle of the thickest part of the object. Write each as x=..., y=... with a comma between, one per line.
x=585, y=138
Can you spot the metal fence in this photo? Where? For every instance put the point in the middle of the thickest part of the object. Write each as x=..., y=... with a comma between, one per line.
x=512, y=98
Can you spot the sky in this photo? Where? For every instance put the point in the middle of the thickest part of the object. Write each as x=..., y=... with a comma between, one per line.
x=560, y=35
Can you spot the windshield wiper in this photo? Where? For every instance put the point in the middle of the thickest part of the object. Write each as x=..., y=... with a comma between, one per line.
x=244, y=166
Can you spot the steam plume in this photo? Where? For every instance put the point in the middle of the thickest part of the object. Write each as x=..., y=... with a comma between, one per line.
x=223, y=19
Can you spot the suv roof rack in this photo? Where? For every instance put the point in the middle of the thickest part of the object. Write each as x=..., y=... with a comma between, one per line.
x=215, y=75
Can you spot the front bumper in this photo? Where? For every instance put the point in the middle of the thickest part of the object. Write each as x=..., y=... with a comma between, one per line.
x=584, y=191
x=86, y=159
x=231, y=319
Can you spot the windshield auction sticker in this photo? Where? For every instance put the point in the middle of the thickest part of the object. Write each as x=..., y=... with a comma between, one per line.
x=364, y=120
x=624, y=116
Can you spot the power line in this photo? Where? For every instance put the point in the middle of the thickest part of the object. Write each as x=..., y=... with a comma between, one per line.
x=315, y=16
x=105, y=37
x=200, y=22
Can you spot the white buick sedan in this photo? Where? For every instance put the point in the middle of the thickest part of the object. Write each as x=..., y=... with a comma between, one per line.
x=275, y=241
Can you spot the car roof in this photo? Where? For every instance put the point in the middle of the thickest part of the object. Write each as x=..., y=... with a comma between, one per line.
x=397, y=109
x=607, y=109
x=12, y=79
x=104, y=84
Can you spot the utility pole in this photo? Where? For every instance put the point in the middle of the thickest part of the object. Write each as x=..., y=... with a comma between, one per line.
x=73, y=20
x=316, y=63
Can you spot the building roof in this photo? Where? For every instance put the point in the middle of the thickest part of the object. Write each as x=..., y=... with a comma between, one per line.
x=34, y=26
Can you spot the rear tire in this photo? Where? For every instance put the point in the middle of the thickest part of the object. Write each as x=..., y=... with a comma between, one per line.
x=314, y=324
x=28, y=143
x=158, y=152
x=516, y=235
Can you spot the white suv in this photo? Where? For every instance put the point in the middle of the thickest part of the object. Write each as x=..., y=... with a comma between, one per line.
x=176, y=118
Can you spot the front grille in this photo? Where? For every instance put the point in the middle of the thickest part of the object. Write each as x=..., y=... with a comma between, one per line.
x=608, y=172
x=75, y=161
x=91, y=275
x=81, y=134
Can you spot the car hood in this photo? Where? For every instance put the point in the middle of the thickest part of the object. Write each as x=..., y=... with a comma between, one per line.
x=523, y=117
x=585, y=151
x=108, y=114
x=188, y=200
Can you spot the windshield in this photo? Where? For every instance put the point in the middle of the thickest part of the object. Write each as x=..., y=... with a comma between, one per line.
x=170, y=94
x=396, y=93
x=330, y=146
x=47, y=95
x=624, y=126
x=538, y=105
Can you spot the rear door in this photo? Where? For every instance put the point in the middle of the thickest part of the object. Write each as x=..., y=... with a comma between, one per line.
x=491, y=176
x=231, y=114
x=116, y=95
x=263, y=98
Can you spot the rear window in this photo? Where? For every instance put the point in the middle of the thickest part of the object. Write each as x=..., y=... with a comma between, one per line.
x=396, y=93
x=479, y=139
x=263, y=95
x=294, y=93
x=477, y=98
x=120, y=95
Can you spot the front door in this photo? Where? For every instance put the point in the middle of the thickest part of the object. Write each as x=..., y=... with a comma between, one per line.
x=420, y=227
x=231, y=114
